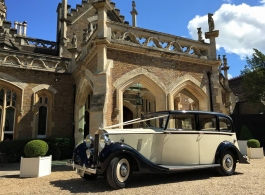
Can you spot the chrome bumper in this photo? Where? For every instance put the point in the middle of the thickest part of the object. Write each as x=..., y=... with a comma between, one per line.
x=81, y=169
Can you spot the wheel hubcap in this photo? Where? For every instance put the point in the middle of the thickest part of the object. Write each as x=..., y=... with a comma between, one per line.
x=123, y=170
x=228, y=162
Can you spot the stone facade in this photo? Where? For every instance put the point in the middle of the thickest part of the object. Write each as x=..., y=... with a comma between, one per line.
x=98, y=68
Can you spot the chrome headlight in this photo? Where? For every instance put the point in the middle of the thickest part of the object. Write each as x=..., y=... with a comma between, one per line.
x=89, y=140
x=103, y=140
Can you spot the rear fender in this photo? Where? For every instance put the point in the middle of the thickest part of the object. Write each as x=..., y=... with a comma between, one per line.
x=226, y=145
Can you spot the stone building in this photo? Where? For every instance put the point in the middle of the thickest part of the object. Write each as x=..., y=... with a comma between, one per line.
x=102, y=71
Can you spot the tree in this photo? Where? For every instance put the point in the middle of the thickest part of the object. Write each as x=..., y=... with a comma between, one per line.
x=254, y=77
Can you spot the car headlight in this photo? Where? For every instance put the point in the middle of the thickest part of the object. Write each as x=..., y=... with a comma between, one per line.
x=89, y=141
x=104, y=140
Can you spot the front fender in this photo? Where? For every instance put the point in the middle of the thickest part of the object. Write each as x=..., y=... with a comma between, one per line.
x=226, y=145
x=115, y=149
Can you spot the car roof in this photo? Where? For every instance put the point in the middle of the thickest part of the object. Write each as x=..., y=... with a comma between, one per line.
x=189, y=112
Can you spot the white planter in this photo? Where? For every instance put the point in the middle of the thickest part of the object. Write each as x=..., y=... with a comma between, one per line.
x=35, y=167
x=255, y=152
x=242, y=144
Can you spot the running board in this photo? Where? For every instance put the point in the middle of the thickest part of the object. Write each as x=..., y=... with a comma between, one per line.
x=190, y=167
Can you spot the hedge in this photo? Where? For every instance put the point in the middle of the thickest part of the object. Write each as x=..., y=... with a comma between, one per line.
x=59, y=148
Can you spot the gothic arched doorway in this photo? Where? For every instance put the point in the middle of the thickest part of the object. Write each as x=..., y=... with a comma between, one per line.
x=127, y=115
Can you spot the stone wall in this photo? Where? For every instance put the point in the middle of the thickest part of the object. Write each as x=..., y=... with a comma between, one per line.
x=77, y=27
x=165, y=70
x=62, y=113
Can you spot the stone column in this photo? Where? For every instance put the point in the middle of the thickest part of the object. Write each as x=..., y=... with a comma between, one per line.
x=101, y=7
x=98, y=111
x=102, y=18
x=225, y=68
x=63, y=19
x=212, y=35
x=73, y=65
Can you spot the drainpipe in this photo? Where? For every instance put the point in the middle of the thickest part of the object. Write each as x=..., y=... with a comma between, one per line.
x=210, y=89
x=74, y=88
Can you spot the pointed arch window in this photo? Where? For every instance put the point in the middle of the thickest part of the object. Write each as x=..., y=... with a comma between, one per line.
x=8, y=99
x=42, y=116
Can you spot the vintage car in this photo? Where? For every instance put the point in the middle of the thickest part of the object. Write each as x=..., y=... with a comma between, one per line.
x=161, y=142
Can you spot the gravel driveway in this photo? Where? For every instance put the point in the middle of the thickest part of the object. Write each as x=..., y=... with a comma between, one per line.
x=248, y=179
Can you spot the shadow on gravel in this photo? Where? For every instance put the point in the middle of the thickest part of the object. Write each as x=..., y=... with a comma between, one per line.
x=137, y=180
x=10, y=176
x=60, y=168
x=83, y=186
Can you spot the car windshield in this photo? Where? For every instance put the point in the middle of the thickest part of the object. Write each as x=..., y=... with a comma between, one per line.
x=154, y=120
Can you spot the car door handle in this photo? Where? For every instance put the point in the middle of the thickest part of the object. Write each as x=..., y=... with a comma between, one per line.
x=199, y=137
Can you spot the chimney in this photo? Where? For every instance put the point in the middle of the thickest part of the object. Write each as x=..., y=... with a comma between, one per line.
x=24, y=28
x=15, y=24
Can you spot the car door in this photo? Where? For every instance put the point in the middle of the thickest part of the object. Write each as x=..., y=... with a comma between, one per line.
x=209, y=138
x=180, y=145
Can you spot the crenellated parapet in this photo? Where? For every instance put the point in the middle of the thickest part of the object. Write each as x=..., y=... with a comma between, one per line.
x=125, y=34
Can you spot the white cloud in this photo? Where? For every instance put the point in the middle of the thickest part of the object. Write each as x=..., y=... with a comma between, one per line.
x=241, y=28
x=230, y=76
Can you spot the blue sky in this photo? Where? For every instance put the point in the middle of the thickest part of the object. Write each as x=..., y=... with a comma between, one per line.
x=241, y=23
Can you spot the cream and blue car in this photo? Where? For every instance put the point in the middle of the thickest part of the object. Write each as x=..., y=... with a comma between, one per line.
x=160, y=142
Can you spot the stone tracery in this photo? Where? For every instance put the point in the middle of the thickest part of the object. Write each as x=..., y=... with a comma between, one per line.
x=156, y=43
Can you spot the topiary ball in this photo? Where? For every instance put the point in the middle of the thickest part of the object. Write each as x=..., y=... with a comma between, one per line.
x=36, y=148
x=253, y=143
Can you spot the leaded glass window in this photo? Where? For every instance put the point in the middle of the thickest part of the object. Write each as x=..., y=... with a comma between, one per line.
x=8, y=99
x=43, y=116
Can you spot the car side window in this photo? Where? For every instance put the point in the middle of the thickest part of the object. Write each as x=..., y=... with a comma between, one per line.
x=225, y=124
x=182, y=121
x=207, y=122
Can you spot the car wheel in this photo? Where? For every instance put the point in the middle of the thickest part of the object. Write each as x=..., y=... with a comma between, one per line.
x=228, y=163
x=119, y=172
x=90, y=177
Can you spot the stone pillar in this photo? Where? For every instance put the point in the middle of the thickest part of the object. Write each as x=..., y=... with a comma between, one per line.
x=176, y=103
x=102, y=57
x=73, y=65
x=212, y=35
x=134, y=14
x=101, y=7
x=63, y=26
x=98, y=111
x=225, y=68
x=102, y=18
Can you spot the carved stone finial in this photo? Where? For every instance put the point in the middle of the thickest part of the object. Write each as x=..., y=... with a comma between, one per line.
x=85, y=35
x=210, y=22
x=219, y=57
x=200, y=34
x=133, y=6
x=224, y=60
x=74, y=41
